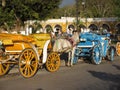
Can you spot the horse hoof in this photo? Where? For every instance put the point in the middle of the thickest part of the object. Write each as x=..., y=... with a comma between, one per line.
x=40, y=67
x=67, y=65
x=71, y=65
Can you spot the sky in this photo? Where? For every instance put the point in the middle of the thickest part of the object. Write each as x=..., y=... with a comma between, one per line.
x=67, y=2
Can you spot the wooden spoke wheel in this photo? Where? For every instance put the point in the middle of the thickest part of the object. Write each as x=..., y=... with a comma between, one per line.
x=118, y=48
x=96, y=55
x=28, y=63
x=4, y=67
x=111, y=53
x=53, y=62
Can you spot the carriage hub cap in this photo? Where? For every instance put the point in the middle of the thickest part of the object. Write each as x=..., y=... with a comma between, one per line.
x=97, y=54
x=28, y=62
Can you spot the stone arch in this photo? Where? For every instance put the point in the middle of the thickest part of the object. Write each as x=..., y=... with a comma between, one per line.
x=70, y=29
x=38, y=28
x=93, y=27
x=82, y=26
x=117, y=27
x=71, y=26
x=57, y=27
x=106, y=26
x=48, y=28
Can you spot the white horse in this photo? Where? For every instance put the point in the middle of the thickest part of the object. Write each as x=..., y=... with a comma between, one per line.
x=63, y=45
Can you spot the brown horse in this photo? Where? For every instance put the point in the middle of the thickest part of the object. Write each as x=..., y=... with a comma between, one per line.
x=67, y=45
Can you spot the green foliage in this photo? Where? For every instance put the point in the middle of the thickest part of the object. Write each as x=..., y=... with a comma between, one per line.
x=116, y=8
x=66, y=11
x=22, y=10
x=93, y=8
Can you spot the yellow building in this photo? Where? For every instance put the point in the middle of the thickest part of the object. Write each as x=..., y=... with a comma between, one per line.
x=63, y=24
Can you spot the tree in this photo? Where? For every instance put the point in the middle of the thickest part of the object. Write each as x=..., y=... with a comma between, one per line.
x=116, y=4
x=66, y=11
x=101, y=8
x=18, y=11
x=94, y=8
x=6, y=16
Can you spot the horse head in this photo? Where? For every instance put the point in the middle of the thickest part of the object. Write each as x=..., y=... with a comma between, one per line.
x=75, y=36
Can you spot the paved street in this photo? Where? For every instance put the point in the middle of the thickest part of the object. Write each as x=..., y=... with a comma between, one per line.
x=83, y=76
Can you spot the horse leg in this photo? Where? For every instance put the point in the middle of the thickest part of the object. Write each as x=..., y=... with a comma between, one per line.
x=72, y=56
x=69, y=58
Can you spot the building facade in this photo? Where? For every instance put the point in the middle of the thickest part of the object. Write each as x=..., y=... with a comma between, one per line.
x=65, y=23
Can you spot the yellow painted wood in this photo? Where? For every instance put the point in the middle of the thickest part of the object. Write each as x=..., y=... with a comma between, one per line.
x=28, y=63
x=53, y=62
x=40, y=39
x=4, y=67
x=118, y=48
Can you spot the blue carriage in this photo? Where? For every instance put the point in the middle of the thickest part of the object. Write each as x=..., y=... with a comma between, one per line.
x=95, y=47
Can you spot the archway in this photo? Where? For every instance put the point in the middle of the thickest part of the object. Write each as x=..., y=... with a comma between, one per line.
x=70, y=29
x=57, y=28
x=106, y=27
x=71, y=26
x=118, y=28
x=48, y=28
x=93, y=27
x=38, y=29
x=81, y=26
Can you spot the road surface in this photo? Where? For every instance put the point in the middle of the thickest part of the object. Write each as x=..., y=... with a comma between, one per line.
x=82, y=76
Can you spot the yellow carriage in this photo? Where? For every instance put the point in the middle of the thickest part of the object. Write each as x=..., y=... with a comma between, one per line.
x=118, y=45
x=118, y=48
x=28, y=52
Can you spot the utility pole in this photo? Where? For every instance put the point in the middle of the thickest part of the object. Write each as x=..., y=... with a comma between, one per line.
x=77, y=14
x=84, y=11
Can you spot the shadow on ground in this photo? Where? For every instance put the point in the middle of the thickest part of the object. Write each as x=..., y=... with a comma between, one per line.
x=114, y=78
x=117, y=67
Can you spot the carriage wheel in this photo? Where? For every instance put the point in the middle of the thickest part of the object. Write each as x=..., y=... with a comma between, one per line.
x=110, y=54
x=53, y=62
x=28, y=63
x=4, y=67
x=118, y=48
x=96, y=55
